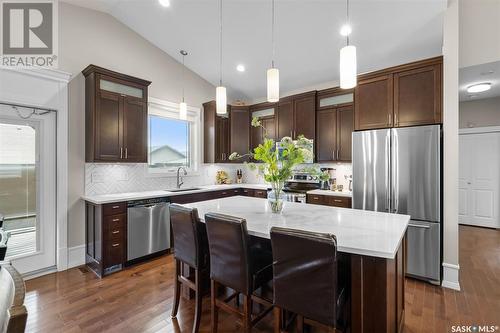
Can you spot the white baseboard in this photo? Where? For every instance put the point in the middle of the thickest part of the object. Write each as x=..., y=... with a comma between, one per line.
x=41, y=272
x=450, y=276
x=76, y=256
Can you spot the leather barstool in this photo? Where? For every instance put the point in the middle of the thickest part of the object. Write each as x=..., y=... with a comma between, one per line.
x=240, y=263
x=190, y=248
x=306, y=280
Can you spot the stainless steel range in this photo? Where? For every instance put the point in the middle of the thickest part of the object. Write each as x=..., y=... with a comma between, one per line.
x=298, y=185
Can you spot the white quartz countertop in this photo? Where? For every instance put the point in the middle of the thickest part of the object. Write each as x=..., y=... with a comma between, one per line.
x=129, y=196
x=358, y=231
x=331, y=193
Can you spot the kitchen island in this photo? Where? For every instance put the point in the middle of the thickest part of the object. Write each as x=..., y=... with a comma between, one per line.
x=373, y=241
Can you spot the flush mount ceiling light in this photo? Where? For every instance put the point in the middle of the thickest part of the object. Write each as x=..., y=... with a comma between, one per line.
x=480, y=87
x=273, y=74
x=240, y=68
x=164, y=3
x=348, y=64
x=220, y=91
x=183, y=105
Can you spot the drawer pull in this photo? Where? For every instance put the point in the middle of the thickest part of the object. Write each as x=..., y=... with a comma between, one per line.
x=419, y=226
x=115, y=220
x=337, y=200
x=115, y=207
x=315, y=198
x=115, y=245
x=115, y=232
x=224, y=193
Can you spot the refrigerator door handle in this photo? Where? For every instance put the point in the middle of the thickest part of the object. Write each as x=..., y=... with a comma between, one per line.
x=395, y=173
x=388, y=174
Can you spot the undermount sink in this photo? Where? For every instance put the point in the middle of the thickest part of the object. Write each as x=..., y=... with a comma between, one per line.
x=184, y=189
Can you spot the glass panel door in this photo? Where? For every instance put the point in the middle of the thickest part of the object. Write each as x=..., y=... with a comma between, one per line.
x=28, y=186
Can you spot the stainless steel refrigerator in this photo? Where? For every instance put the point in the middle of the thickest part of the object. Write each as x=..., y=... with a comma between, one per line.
x=398, y=171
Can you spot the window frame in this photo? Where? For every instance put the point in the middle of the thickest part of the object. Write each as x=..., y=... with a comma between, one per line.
x=165, y=109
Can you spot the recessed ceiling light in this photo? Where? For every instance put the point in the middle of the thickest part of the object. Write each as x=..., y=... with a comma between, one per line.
x=345, y=30
x=240, y=68
x=164, y=3
x=480, y=87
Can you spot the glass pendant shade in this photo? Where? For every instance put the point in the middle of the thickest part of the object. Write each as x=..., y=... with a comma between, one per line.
x=348, y=67
x=220, y=100
x=273, y=85
x=183, y=111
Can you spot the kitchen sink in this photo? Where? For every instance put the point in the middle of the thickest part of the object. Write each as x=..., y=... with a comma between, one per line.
x=183, y=189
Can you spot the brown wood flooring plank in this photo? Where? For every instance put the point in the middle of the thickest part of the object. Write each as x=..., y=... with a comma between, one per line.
x=140, y=298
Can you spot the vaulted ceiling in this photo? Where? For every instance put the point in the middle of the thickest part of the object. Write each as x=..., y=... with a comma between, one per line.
x=385, y=32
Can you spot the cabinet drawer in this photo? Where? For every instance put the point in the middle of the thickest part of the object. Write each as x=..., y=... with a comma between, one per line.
x=339, y=202
x=260, y=194
x=114, y=253
x=114, y=208
x=114, y=227
x=248, y=192
x=315, y=199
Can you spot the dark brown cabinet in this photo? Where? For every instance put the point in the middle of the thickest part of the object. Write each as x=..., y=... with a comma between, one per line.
x=296, y=115
x=345, y=127
x=115, y=116
x=239, y=130
x=334, y=134
x=216, y=135
x=266, y=113
x=329, y=200
x=417, y=96
x=106, y=237
x=406, y=95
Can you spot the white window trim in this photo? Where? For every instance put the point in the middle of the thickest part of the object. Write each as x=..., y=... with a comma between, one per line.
x=168, y=109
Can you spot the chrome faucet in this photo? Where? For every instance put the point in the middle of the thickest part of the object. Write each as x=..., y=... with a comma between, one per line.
x=179, y=177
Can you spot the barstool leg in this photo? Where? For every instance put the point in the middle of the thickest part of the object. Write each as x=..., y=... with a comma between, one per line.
x=199, y=295
x=277, y=319
x=247, y=313
x=215, y=311
x=177, y=289
x=300, y=324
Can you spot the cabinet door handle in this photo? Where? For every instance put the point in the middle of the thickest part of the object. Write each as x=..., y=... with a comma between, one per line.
x=115, y=245
x=116, y=220
x=333, y=155
x=419, y=226
x=390, y=119
x=121, y=152
x=126, y=153
x=115, y=207
x=337, y=154
x=115, y=232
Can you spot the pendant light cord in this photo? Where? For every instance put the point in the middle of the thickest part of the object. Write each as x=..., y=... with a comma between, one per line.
x=220, y=43
x=272, y=34
x=348, y=21
x=183, y=76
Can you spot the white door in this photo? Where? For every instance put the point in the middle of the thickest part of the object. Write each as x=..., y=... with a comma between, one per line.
x=479, y=179
x=28, y=187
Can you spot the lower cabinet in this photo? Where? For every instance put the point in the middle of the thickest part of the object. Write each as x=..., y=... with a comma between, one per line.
x=106, y=243
x=329, y=200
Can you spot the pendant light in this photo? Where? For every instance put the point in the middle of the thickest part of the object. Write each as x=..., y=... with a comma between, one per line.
x=273, y=74
x=183, y=105
x=348, y=66
x=220, y=91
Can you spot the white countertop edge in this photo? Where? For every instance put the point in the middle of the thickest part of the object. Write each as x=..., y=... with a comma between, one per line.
x=331, y=193
x=129, y=196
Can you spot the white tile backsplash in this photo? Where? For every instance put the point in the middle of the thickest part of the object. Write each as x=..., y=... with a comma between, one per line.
x=134, y=177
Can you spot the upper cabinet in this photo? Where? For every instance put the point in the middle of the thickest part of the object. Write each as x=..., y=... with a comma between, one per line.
x=405, y=95
x=266, y=113
x=115, y=116
x=239, y=129
x=296, y=115
x=216, y=134
x=334, y=125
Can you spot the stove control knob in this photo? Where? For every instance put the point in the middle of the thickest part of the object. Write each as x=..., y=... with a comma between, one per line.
x=310, y=178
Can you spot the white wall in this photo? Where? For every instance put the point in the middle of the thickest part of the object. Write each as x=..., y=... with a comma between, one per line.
x=480, y=113
x=450, y=138
x=479, y=32
x=91, y=37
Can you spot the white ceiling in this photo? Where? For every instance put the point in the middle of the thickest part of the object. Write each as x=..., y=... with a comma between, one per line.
x=385, y=32
x=489, y=72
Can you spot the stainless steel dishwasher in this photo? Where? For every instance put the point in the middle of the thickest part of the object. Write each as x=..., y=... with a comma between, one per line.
x=148, y=227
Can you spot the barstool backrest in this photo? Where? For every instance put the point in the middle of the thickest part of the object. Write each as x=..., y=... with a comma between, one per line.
x=228, y=243
x=305, y=273
x=188, y=235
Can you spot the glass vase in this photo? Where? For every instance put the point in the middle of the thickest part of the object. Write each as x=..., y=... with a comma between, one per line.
x=276, y=201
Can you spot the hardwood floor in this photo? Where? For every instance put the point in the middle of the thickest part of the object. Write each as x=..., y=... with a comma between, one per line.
x=139, y=299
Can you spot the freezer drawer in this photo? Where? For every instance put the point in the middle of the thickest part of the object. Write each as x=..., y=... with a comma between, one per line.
x=424, y=250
